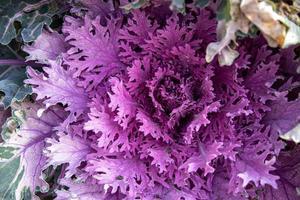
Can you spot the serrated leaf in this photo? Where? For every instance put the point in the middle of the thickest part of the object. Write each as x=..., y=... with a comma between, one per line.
x=12, y=85
x=293, y=135
x=32, y=21
x=20, y=178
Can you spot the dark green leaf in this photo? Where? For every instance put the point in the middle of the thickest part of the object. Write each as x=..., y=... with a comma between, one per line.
x=12, y=85
x=6, y=53
x=201, y=3
x=31, y=14
x=33, y=24
x=223, y=11
x=7, y=30
x=26, y=194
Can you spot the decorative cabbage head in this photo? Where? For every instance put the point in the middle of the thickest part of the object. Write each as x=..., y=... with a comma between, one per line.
x=150, y=118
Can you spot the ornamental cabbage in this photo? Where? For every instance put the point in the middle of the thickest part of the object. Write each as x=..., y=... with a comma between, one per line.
x=149, y=118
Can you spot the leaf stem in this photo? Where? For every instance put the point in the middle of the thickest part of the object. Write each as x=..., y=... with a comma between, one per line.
x=12, y=62
x=19, y=62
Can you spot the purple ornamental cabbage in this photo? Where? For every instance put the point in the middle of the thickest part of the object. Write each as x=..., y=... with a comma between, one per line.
x=150, y=119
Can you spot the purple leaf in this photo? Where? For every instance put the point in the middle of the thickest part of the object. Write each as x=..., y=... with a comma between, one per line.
x=56, y=85
x=67, y=149
x=47, y=47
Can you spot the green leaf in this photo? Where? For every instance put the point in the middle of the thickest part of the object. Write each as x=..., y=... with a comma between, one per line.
x=12, y=77
x=11, y=175
x=135, y=5
x=223, y=11
x=6, y=53
x=7, y=30
x=201, y=3
x=179, y=5
x=31, y=14
x=7, y=152
x=26, y=194
x=33, y=24
x=12, y=85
